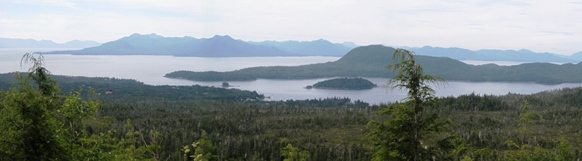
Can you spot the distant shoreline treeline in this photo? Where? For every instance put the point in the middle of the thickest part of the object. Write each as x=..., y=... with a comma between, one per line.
x=127, y=88
x=371, y=61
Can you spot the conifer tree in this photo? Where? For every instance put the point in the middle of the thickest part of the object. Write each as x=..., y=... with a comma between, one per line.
x=30, y=128
x=404, y=135
x=38, y=121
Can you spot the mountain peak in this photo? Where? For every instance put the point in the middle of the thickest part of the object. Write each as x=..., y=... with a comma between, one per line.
x=525, y=51
x=321, y=40
x=151, y=35
x=222, y=37
x=349, y=44
x=135, y=34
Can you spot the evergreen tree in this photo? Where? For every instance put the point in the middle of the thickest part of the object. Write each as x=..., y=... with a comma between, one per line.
x=30, y=129
x=202, y=149
x=38, y=121
x=405, y=134
x=292, y=153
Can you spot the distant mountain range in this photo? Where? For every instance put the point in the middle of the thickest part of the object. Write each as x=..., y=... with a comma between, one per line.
x=309, y=48
x=217, y=46
x=226, y=46
x=30, y=43
x=522, y=55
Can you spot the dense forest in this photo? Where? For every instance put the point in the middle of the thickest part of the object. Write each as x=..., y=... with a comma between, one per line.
x=133, y=121
x=371, y=61
x=344, y=84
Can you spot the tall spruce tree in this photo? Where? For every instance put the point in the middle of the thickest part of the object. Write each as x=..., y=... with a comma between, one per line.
x=405, y=133
x=30, y=130
x=38, y=121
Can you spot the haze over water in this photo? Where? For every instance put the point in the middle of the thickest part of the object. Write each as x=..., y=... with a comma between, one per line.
x=151, y=69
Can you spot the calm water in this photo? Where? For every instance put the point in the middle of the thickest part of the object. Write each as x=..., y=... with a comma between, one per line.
x=151, y=69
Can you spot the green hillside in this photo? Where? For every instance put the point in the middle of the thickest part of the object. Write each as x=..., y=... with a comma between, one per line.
x=371, y=61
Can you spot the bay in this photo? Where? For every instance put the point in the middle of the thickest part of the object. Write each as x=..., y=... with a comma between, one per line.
x=151, y=69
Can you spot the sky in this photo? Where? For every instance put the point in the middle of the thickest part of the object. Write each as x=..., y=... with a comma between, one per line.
x=553, y=26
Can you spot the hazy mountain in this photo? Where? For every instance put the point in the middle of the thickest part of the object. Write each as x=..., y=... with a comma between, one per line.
x=226, y=46
x=30, y=43
x=494, y=55
x=137, y=44
x=576, y=56
x=454, y=53
x=308, y=48
x=217, y=46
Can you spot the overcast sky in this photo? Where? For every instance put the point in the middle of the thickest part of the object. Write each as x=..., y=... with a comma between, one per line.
x=539, y=25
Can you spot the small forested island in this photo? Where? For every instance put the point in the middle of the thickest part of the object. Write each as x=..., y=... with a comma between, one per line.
x=345, y=83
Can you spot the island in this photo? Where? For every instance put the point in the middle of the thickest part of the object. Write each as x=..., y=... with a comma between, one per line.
x=372, y=61
x=345, y=83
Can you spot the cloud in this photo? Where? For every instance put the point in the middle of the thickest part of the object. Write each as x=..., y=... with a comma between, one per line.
x=558, y=33
x=58, y=3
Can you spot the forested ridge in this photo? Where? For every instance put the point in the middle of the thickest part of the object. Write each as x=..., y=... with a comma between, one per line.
x=371, y=61
x=126, y=88
x=149, y=125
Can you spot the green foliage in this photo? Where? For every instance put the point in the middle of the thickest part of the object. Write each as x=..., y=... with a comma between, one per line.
x=405, y=134
x=245, y=130
x=41, y=123
x=474, y=102
x=345, y=84
x=201, y=150
x=30, y=129
x=523, y=151
x=561, y=153
x=293, y=153
x=525, y=118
